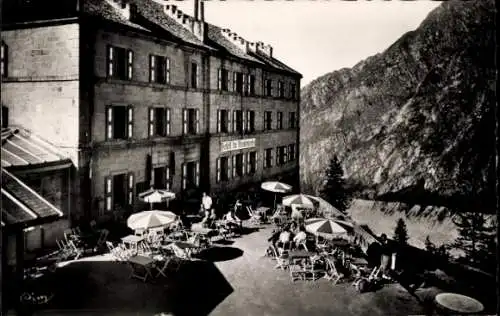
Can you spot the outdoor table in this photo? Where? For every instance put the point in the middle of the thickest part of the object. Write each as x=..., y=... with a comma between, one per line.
x=262, y=210
x=141, y=263
x=299, y=254
x=132, y=240
x=457, y=303
x=186, y=246
x=202, y=230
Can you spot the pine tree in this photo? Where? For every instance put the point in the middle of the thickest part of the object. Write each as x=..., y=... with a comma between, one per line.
x=476, y=239
x=334, y=190
x=401, y=232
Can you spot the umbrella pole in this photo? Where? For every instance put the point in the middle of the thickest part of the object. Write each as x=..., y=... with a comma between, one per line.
x=274, y=201
x=151, y=206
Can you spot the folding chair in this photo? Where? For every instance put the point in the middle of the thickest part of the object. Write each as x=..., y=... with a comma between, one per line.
x=282, y=260
x=332, y=274
x=297, y=272
x=255, y=219
x=102, y=238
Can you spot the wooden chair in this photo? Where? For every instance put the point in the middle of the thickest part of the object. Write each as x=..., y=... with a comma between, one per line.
x=282, y=260
x=332, y=274
x=297, y=272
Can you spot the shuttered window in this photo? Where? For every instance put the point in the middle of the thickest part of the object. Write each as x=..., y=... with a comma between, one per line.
x=218, y=170
x=131, y=188
x=130, y=122
x=197, y=174
x=109, y=123
x=233, y=166
x=185, y=121
x=184, y=176
x=108, y=192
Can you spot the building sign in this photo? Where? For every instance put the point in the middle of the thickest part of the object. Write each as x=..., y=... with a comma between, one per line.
x=237, y=144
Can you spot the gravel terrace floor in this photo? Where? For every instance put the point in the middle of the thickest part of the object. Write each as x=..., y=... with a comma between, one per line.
x=241, y=282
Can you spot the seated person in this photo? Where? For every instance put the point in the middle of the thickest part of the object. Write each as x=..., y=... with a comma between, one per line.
x=285, y=237
x=275, y=237
x=213, y=216
x=301, y=236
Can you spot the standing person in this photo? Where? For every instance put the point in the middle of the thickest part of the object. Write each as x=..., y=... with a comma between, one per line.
x=206, y=203
x=386, y=253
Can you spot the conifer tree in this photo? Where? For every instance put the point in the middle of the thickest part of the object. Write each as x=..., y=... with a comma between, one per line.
x=401, y=232
x=334, y=190
x=476, y=239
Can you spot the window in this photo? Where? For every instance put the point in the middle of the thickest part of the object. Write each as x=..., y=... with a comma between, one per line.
x=279, y=120
x=120, y=63
x=291, y=152
x=281, y=155
x=268, y=120
x=292, y=120
x=5, y=116
x=292, y=91
x=119, y=122
x=222, y=121
x=159, y=69
x=222, y=169
x=238, y=82
x=4, y=59
x=194, y=76
x=250, y=122
x=268, y=158
x=238, y=121
x=159, y=122
x=269, y=87
x=251, y=162
x=238, y=165
x=281, y=89
x=223, y=80
x=190, y=175
x=191, y=121
x=119, y=191
x=250, y=85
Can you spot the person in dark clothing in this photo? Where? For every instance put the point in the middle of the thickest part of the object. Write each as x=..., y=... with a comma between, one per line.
x=386, y=254
x=374, y=253
x=275, y=236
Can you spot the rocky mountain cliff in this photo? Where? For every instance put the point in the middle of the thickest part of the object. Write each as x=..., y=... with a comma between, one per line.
x=415, y=123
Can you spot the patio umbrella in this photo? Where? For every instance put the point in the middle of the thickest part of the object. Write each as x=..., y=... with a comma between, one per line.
x=156, y=196
x=276, y=187
x=299, y=199
x=327, y=228
x=150, y=219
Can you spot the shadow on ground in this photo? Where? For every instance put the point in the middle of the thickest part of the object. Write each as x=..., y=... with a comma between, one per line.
x=105, y=286
x=217, y=254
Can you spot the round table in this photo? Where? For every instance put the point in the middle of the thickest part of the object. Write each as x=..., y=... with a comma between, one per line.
x=458, y=303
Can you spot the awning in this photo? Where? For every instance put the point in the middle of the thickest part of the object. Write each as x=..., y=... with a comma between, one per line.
x=21, y=149
x=22, y=205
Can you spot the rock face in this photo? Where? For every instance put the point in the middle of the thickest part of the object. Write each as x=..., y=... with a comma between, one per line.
x=415, y=123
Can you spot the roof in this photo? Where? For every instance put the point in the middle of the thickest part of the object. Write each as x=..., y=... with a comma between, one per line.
x=23, y=205
x=216, y=39
x=20, y=148
x=154, y=19
x=101, y=8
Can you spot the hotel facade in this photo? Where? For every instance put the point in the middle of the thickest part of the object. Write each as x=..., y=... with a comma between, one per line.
x=138, y=94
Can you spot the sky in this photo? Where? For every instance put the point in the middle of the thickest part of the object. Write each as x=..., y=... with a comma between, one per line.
x=317, y=37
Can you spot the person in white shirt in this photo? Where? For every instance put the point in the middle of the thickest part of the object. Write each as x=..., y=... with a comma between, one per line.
x=301, y=236
x=206, y=203
x=285, y=236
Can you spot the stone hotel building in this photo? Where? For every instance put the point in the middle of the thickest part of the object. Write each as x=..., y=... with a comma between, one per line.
x=134, y=93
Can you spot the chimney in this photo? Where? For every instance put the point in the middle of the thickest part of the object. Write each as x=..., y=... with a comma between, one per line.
x=202, y=11
x=196, y=9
